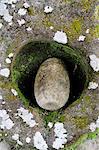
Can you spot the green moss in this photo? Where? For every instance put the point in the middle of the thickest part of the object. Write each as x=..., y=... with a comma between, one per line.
x=81, y=122
x=75, y=28
x=86, y=4
x=87, y=99
x=10, y=97
x=54, y=117
x=31, y=11
x=76, y=25
x=96, y=31
x=46, y=22
x=93, y=135
x=5, y=85
x=10, y=49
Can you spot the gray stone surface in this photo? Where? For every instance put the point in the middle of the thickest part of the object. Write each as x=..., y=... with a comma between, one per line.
x=73, y=17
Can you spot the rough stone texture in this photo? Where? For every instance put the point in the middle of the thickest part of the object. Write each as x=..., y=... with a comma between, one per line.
x=73, y=17
x=52, y=85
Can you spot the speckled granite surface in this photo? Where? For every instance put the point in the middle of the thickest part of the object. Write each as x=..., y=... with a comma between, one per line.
x=74, y=18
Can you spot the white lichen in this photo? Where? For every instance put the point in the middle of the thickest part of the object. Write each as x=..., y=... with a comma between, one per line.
x=97, y=122
x=29, y=29
x=1, y=97
x=28, y=140
x=14, y=92
x=59, y=143
x=19, y=143
x=8, y=61
x=5, y=72
x=81, y=38
x=26, y=116
x=5, y=121
x=50, y=125
x=22, y=11
x=13, y=5
x=60, y=37
x=94, y=125
x=11, y=55
x=26, y=5
x=87, y=31
x=15, y=137
x=61, y=136
x=1, y=25
x=48, y=9
x=2, y=9
x=39, y=142
x=10, y=23
x=92, y=85
x=21, y=22
x=51, y=27
x=3, y=102
x=4, y=12
x=94, y=62
x=7, y=17
x=9, y=1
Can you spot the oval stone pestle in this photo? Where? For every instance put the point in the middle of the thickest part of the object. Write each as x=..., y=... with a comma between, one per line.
x=52, y=85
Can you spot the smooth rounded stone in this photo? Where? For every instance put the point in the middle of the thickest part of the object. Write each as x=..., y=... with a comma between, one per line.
x=52, y=85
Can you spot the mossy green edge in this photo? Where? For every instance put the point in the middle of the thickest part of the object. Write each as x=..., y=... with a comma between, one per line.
x=82, y=139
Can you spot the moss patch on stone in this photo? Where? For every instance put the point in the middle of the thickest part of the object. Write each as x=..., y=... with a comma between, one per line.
x=76, y=25
x=94, y=32
x=31, y=11
x=75, y=28
x=86, y=4
x=81, y=122
x=46, y=22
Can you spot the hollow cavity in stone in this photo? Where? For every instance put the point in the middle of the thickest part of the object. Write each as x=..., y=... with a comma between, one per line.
x=52, y=85
x=28, y=59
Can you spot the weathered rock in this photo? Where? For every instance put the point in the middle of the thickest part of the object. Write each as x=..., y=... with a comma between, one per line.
x=52, y=85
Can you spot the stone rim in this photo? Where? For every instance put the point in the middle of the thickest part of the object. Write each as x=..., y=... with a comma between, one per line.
x=59, y=51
